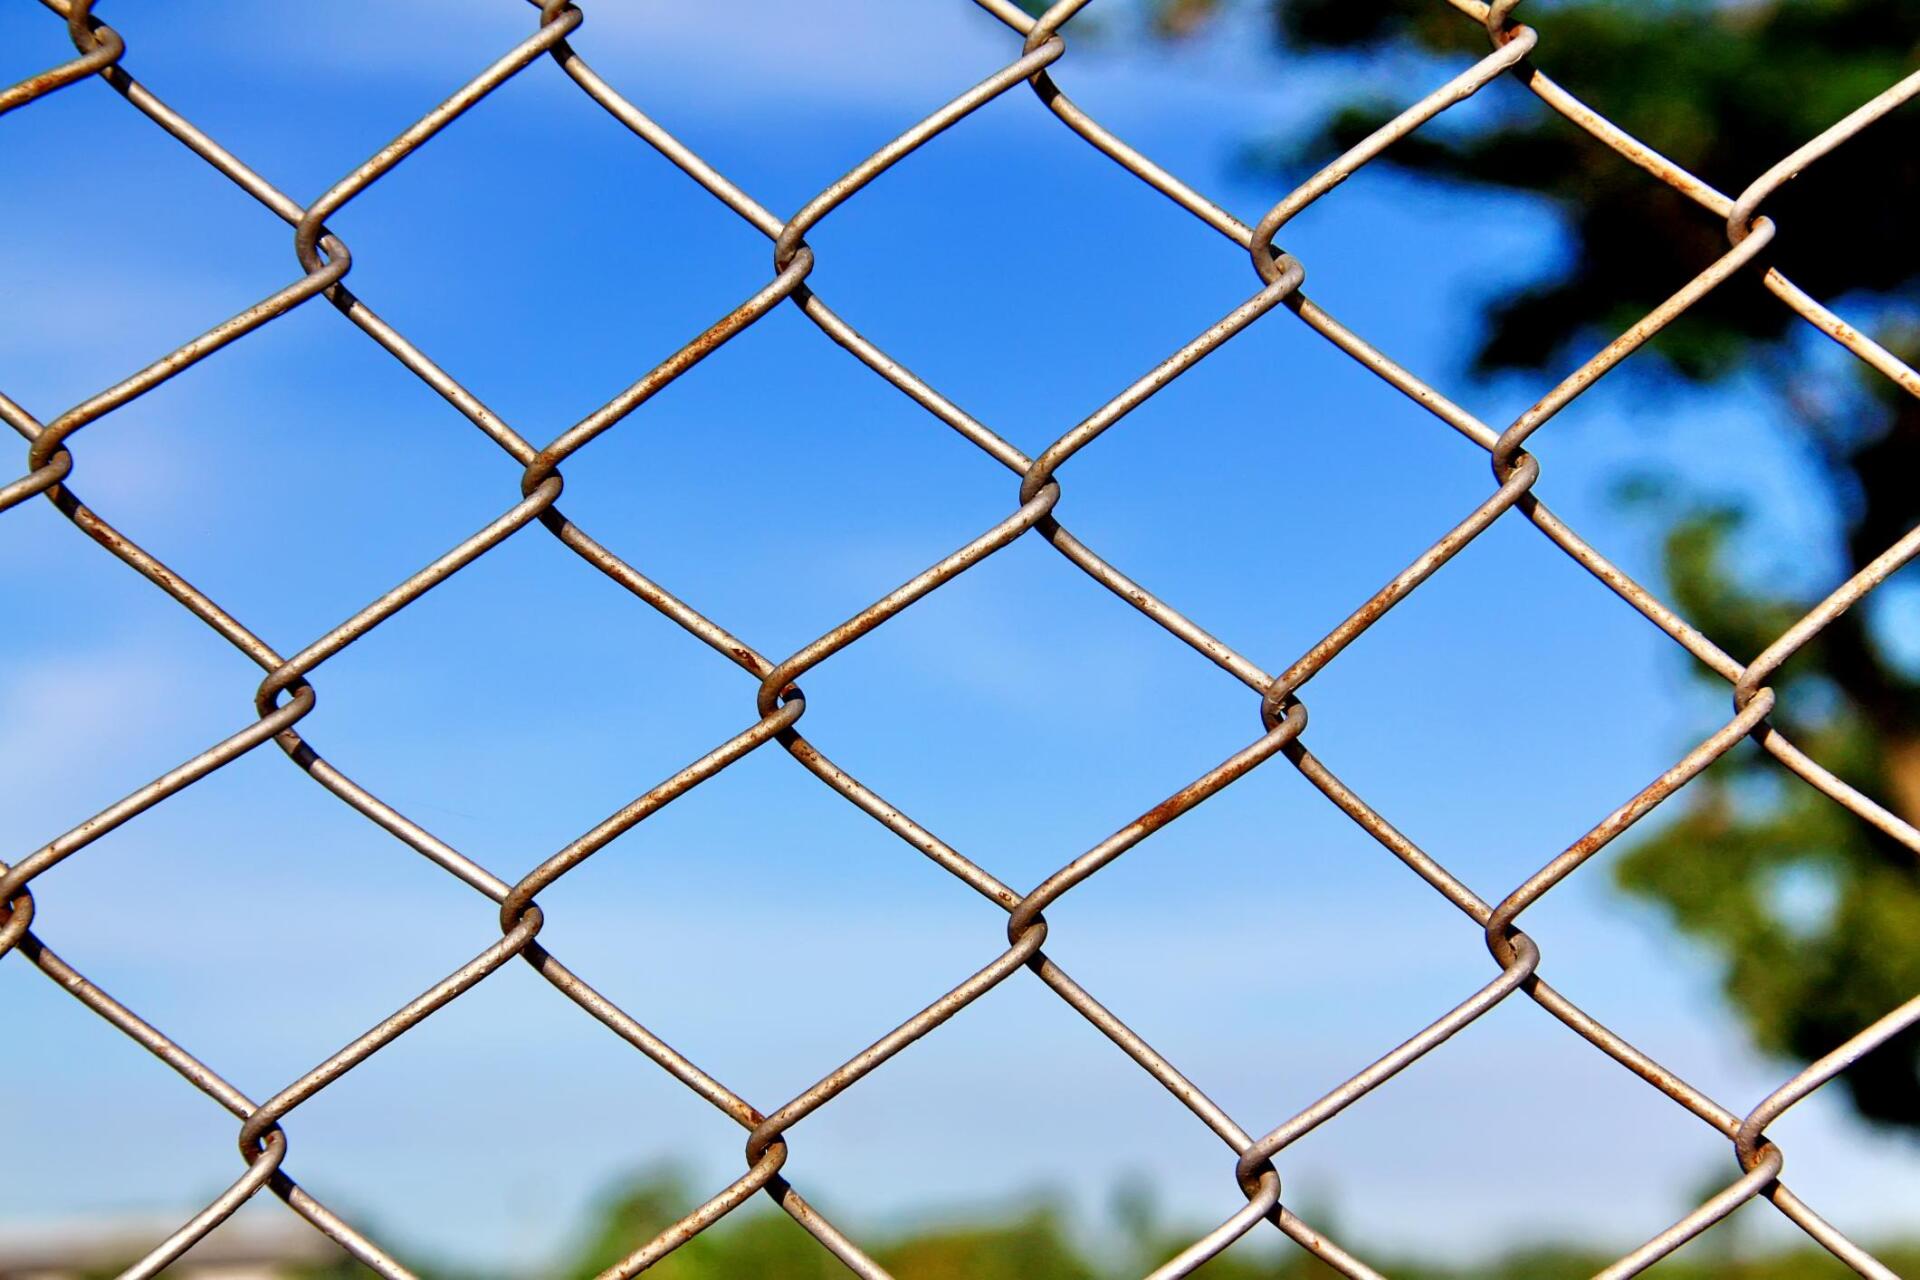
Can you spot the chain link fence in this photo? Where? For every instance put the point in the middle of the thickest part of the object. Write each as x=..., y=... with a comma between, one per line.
x=286, y=695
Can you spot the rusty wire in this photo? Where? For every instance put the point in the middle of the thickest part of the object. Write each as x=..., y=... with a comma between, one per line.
x=285, y=695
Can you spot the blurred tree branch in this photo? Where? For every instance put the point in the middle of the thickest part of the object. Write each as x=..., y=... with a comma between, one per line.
x=1814, y=917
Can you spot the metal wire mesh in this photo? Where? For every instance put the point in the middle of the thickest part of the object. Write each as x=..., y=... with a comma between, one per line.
x=285, y=695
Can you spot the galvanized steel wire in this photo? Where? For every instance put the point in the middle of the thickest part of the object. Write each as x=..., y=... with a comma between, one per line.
x=286, y=694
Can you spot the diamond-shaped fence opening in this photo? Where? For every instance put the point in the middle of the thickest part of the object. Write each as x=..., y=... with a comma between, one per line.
x=772, y=711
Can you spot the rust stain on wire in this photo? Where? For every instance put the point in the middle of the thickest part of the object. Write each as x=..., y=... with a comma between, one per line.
x=285, y=696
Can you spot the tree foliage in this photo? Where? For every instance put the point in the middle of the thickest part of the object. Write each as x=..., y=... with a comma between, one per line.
x=1814, y=917
x=1036, y=1243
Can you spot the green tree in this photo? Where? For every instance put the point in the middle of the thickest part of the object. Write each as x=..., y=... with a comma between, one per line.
x=758, y=1242
x=1035, y=1243
x=1814, y=916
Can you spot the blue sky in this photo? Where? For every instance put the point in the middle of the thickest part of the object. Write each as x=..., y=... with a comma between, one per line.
x=762, y=925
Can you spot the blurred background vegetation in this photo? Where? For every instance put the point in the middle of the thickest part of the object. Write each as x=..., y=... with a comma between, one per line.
x=1040, y=1243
